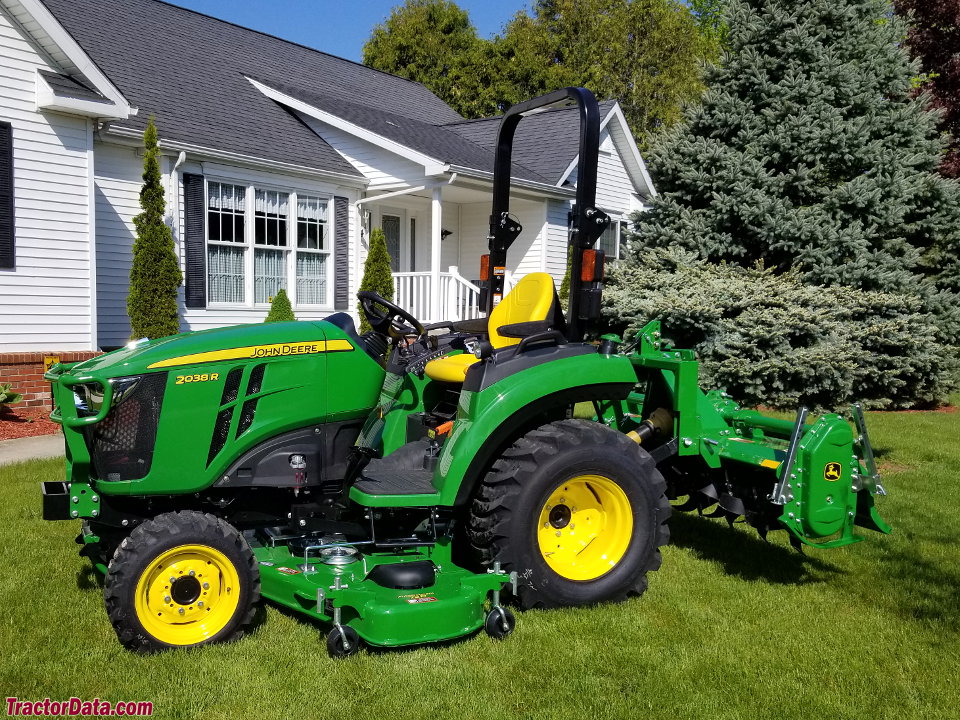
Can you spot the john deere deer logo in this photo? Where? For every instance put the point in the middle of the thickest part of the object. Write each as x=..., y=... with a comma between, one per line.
x=831, y=471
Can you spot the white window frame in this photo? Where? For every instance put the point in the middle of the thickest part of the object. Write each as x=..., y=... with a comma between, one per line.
x=250, y=246
x=615, y=221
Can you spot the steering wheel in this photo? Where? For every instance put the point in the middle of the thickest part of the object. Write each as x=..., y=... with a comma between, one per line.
x=389, y=322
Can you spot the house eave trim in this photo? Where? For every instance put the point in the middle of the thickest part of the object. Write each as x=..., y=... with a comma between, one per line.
x=240, y=158
x=541, y=188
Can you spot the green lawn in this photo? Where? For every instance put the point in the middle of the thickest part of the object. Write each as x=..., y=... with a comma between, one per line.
x=730, y=628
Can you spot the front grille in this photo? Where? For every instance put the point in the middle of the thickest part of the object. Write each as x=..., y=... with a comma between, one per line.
x=231, y=386
x=220, y=431
x=256, y=380
x=246, y=416
x=121, y=447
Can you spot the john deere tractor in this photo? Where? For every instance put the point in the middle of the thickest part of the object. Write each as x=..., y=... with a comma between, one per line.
x=392, y=485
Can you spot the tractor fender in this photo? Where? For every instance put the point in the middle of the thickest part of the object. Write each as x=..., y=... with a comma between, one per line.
x=489, y=419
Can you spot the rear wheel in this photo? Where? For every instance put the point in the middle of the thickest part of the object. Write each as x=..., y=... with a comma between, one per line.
x=179, y=580
x=578, y=510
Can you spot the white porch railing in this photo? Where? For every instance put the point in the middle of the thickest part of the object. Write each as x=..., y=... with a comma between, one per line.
x=459, y=298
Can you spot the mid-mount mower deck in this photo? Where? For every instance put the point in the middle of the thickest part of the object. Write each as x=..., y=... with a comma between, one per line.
x=393, y=484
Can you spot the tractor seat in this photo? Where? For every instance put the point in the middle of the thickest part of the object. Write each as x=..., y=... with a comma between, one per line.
x=532, y=299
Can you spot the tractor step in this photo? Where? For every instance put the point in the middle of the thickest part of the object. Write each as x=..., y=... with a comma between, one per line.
x=407, y=471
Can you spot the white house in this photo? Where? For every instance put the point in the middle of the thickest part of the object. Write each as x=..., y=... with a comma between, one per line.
x=278, y=159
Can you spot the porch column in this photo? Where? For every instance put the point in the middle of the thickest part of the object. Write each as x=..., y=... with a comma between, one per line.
x=436, y=221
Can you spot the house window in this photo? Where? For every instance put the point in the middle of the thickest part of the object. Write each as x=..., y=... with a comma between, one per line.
x=312, y=250
x=270, y=211
x=226, y=251
x=609, y=242
x=260, y=241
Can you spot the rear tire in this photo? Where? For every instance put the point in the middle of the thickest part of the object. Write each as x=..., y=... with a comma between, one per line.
x=180, y=580
x=561, y=475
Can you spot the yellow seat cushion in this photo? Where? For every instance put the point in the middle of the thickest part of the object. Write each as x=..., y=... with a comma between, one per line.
x=530, y=300
x=451, y=368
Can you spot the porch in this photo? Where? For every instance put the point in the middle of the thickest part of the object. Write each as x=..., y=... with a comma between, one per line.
x=436, y=235
x=459, y=297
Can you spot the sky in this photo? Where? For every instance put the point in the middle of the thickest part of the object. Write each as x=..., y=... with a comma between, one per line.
x=338, y=27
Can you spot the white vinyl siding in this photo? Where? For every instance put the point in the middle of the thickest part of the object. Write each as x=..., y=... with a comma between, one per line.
x=557, y=239
x=117, y=173
x=614, y=189
x=525, y=255
x=46, y=301
x=379, y=166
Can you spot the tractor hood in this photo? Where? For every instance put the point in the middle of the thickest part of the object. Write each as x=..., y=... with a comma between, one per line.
x=238, y=342
x=201, y=400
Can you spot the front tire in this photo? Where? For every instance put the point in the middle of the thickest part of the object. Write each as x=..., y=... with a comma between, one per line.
x=578, y=510
x=180, y=580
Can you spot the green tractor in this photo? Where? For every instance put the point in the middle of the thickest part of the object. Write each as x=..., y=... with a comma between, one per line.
x=392, y=485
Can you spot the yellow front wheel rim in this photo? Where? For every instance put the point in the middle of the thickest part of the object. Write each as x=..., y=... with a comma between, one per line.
x=187, y=594
x=585, y=527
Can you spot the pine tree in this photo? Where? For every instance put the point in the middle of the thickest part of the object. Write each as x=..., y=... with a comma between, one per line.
x=377, y=274
x=280, y=308
x=155, y=273
x=810, y=152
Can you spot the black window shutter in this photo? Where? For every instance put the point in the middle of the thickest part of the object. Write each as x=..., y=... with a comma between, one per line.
x=194, y=240
x=341, y=253
x=7, y=259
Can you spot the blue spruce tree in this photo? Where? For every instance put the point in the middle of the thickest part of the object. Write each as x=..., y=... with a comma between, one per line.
x=810, y=152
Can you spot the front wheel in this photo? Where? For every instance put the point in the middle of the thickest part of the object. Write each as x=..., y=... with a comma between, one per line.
x=578, y=510
x=182, y=579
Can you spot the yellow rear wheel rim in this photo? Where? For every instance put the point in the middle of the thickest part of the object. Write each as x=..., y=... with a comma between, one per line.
x=187, y=594
x=585, y=527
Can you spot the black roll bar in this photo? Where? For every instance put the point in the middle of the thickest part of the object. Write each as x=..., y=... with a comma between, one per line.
x=587, y=223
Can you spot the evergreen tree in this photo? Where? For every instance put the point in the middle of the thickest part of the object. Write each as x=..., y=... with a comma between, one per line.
x=934, y=39
x=280, y=308
x=155, y=273
x=377, y=275
x=810, y=151
x=773, y=340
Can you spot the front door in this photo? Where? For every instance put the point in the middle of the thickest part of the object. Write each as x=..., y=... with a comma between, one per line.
x=391, y=231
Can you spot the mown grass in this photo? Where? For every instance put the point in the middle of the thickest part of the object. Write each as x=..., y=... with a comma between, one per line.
x=731, y=627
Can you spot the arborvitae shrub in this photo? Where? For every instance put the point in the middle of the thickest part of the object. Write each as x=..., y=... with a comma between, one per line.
x=377, y=275
x=155, y=272
x=280, y=308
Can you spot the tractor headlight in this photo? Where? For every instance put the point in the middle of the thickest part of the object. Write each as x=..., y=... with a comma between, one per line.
x=123, y=387
x=89, y=397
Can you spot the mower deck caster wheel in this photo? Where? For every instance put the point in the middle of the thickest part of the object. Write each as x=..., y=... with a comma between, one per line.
x=342, y=641
x=500, y=622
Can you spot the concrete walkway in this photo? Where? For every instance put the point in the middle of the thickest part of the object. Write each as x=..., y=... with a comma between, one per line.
x=41, y=446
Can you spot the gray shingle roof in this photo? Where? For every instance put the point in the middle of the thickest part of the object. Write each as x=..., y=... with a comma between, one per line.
x=546, y=143
x=437, y=141
x=68, y=87
x=189, y=71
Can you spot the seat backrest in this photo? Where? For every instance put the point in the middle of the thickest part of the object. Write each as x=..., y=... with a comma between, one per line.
x=530, y=300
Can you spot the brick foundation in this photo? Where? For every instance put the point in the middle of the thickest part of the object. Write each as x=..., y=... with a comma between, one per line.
x=24, y=372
